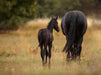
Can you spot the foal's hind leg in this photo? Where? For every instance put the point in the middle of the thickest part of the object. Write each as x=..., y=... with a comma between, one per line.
x=42, y=54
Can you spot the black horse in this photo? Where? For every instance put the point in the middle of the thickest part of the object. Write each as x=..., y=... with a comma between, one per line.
x=45, y=38
x=74, y=26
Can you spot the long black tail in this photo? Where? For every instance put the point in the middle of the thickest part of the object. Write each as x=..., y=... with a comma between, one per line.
x=40, y=37
x=71, y=36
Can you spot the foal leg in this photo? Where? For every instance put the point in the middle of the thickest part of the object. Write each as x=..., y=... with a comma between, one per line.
x=46, y=53
x=42, y=54
x=50, y=46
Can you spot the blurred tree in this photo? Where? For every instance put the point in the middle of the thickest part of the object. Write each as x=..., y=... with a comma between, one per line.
x=67, y=5
x=16, y=12
x=60, y=7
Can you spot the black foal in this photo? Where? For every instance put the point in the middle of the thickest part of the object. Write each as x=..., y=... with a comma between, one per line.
x=45, y=38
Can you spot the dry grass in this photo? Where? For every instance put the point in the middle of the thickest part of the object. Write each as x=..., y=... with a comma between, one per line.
x=18, y=58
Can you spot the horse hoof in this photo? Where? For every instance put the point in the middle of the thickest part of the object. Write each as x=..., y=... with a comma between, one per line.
x=45, y=63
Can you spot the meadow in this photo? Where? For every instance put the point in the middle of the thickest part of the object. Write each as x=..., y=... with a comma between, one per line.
x=20, y=55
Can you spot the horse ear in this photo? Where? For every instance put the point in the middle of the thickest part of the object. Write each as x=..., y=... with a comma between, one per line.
x=57, y=17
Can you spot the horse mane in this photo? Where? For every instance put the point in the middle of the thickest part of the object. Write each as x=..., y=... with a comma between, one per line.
x=49, y=25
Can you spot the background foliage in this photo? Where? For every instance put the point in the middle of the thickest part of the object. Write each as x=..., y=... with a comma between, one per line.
x=16, y=12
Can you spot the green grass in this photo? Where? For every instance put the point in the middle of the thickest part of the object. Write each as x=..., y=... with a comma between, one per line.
x=17, y=56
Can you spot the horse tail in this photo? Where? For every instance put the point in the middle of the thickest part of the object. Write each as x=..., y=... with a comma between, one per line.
x=62, y=26
x=40, y=37
x=39, y=44
x=71, y=35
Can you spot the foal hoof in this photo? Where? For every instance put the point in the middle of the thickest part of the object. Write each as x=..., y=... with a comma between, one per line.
x=44, y=64
x=68, y=60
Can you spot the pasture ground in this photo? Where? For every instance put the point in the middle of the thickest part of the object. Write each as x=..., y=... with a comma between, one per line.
x=19, y=54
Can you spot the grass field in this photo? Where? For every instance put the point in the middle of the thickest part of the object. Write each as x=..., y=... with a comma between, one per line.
x=19, y=54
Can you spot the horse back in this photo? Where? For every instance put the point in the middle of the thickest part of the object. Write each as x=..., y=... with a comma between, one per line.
x=44, y=36
x=80, y=22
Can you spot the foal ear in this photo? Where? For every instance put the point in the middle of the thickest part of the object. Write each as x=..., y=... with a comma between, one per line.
x=57, y=17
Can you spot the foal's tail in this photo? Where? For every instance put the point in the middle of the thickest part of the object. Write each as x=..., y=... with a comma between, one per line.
x=40, y=38
x=71, y=36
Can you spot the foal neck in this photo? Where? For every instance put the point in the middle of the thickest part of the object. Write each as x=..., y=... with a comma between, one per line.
x=50, y=27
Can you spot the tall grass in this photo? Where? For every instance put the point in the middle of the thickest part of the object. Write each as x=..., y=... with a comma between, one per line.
x=19, y=54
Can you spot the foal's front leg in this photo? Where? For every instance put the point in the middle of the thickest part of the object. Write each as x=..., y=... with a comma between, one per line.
x=46, y=53
x=50, y=46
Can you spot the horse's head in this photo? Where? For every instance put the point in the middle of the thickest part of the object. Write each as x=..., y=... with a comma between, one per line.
x=55, y=23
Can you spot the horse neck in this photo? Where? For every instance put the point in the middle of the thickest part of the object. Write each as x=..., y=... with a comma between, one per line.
x=50, y=27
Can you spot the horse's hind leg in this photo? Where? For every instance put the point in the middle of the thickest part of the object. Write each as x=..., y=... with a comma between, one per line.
x=73, y=54
x=68, y=56
x=79, y=52
x=79, y=48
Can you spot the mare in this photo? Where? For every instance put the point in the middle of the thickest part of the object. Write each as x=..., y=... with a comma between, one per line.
x=74, y=26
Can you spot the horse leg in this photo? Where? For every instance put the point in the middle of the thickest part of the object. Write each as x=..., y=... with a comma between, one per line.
x=68, y=56
x=46, y=53
x=50, y=46
x=79, y=53
x=42, y=54
x=72, y=53
x=79, y=48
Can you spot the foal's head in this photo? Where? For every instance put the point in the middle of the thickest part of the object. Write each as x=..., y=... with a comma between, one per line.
x=55, y=23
